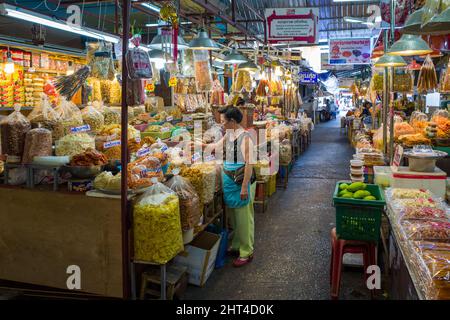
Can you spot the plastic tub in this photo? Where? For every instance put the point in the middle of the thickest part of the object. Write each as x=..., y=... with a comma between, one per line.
x=422, y=165
x=357, y=171
x=356, y=163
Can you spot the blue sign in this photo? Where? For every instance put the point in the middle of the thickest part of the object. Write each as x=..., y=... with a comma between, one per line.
x=308, y=77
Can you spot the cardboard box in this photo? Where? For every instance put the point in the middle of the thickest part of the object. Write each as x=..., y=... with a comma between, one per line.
x=199, y=257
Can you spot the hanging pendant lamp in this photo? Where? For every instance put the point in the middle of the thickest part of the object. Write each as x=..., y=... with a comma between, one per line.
x=413, y=24
x=439, y=24
x=203, y=42
x=410, y=45
x=159, y=56
x=390, y=61
x=157, y=43
x=248, y=66
x=234, y=57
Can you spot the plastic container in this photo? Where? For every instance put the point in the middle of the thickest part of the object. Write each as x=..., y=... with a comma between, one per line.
x=358, y=219
x=383, y=176
x=51, y=160
x=188, y=236
x=357, y=172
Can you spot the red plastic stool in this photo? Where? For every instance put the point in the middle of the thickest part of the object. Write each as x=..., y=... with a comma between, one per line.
x=340, y=247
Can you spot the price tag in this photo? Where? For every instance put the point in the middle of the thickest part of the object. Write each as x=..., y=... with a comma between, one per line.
x=173, y=81
x=150, y=87
x=80, y=129
x=165, y=129
x=187, y=118
x=196, y=157
x=111, y=144
x=142, y=152
x=164, y=148
x=396, y=160
x=210, y=158
x=169, y=118
x=138, y=140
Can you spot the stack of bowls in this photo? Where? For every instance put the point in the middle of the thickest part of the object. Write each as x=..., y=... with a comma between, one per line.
x=357, y=170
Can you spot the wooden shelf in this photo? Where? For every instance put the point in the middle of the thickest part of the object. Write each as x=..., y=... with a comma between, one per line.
x=47, y=71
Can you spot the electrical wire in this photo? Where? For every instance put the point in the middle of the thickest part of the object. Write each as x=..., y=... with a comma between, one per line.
x=53, y=10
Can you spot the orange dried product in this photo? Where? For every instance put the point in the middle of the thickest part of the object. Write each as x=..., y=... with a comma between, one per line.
x=403, y=128
x=142, y=171
x=90, y=157
x=420, y=126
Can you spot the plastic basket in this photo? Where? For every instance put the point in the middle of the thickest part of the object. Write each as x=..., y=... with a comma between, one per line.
x=358, y=219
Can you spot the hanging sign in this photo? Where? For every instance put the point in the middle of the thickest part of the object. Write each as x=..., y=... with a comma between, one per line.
x=173, y=81
x=299, y=25
x=307, y=77
x=325, y=65
x=150, y=87
x=350, y=51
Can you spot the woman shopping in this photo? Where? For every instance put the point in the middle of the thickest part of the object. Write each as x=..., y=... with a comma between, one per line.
x=239, y=184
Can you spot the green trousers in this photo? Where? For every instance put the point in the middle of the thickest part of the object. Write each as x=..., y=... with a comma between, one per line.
x=243, y=223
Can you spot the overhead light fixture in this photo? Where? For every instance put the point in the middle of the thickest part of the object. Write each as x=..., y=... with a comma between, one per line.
x=165, y=25
x=203, y=42
x=34, y=17
x=9, y=65
x=362, y=20
x=410, y=45
x=390, y=61
x=151, y=7
x=159, y=56
x=157, y=43
x=439, y=24
x=413, y=23
x=248, y=66
x=234, y=57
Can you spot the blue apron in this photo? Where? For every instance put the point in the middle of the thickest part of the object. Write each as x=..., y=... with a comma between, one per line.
x=231, y=190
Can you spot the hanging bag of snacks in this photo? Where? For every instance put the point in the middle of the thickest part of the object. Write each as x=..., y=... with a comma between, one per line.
x=427, y=76
x=156, y=225
x=138, y=61
x=202, y=70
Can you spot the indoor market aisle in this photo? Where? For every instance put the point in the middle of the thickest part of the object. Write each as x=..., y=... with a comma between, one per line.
x=292, y=238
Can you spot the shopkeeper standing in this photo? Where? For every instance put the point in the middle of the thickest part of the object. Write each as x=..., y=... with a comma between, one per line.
x=239, y=183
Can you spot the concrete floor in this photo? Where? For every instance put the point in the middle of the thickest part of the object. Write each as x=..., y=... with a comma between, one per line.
x=292, y=238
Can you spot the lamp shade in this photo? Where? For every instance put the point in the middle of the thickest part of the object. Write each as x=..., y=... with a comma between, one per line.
x=234, y=57
x=390, y=61
x=248, y=66
x=439, y=24
x=157, y=55
x=413, y=24
x=157, y=43
x=410, y=45
x=203, y=42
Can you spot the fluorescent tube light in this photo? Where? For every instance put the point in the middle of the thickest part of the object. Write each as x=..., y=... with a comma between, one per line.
x=30, y=16
x=164, y=25
x=151, y=7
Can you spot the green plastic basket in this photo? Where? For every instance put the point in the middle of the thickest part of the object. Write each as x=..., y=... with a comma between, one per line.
x=358, y=219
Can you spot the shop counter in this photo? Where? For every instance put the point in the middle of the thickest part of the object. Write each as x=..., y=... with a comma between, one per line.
x=42, y=233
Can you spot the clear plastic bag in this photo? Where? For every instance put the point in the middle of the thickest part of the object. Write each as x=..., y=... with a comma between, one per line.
x=99, y=58
x=13, y=130
x=213, y=134
x=38, y=143
x=93, y=117
x=404, y=193
x=188, y=63
x=202, y=70
x=142, y=171
x=69, y=117
x=138, y=64
x=285, y=152
x=156, y=225
x=426, y=230
x=242, y=82
x=43, y=116
x=73, y=144
x=190, y=209
x=440, y=114
x=218, y=94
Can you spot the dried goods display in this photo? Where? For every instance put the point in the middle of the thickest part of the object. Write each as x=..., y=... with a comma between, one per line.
x=190, y=210
x=445, y=79
x=38, y=143
x=69, y=117
x=93, y=118
x=423, y=212
x=427, y=76
x=90, y=157
x=426, y=230
x=411, y=140
x=203, y=177
x=142, y=170
x=114, y=129
x=73, y=144
x=285, y=152
x=402, y=128
x=202, y=69
x=113, y=153
x=400, y=193
x=13, y=129
x=107, y=181
x=43, y=115
x=157, y=227
x=217, y=96
x=263, y=88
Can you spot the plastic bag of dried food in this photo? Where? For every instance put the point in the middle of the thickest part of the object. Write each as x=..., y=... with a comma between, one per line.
x=93, y=117
x=157, y=229
x=440, y=113
x=142, y=171
x=202, y=70
x=99, y=58
x=73, y=144
x=43, y=116
x=38, y=143
x=285, y=152
x=13, y=129
x=138, y=64
x=190, y=212
x=426, y=230
x=405, y=193
x=213, y=134
x=203, y=178
x=69, y=117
